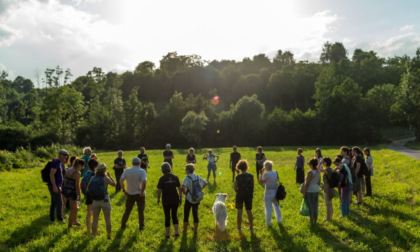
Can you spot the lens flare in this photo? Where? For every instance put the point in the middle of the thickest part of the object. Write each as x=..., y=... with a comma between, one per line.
x=215, y=100
x=218, y=131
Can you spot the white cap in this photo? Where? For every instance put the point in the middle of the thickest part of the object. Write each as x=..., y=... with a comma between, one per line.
x=168, y=145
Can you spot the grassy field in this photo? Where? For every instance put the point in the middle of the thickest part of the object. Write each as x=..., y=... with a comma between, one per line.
x=389, y=221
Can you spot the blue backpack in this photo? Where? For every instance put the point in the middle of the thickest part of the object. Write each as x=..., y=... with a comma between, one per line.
x=97, y=188
x=196, y=192
x=85, y=182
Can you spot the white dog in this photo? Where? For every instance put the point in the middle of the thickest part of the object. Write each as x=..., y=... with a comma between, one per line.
x=220, y=211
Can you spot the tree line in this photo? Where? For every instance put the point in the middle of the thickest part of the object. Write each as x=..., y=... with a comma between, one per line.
x=191, y=102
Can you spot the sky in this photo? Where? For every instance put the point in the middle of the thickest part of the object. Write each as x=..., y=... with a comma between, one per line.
x=118, y=35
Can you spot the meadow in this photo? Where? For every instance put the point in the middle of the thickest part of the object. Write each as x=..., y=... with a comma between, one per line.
x=388, y=221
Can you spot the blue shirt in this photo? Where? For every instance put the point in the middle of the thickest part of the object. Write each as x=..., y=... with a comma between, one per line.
x=58, y=175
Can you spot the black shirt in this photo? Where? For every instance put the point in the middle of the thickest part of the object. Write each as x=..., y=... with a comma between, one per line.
x=190, y=159
x=169, y=183
x=119, y=161
x=167, y=154
x=259, y=156
x=245, y=185
x=360, y=160
x=144, y=158
x=235, y=156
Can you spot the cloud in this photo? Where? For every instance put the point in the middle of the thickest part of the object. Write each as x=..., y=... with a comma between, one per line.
x=399, y=44
x=406, y=28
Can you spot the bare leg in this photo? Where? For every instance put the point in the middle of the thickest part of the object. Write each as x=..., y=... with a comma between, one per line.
x=250, y=219
x=195, y=227
x=73, y=213
x=239, y=219
x=88, y=218
x=176, y=229
x=185, y=227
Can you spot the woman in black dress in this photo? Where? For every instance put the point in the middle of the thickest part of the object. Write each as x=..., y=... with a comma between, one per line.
x=190, y=159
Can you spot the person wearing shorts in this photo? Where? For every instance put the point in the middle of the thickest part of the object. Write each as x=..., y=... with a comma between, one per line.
x=244, y=188
x=211, y=166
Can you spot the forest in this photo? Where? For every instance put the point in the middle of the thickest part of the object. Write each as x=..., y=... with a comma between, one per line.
x=188, y=101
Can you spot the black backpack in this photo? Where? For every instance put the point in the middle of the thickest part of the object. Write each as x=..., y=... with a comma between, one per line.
x=334, y=181
x=97, y=188
x=45, y=173
x=364, y=168
x=281, y=191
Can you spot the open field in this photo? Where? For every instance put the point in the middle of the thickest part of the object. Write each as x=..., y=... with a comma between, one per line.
x=389, y=221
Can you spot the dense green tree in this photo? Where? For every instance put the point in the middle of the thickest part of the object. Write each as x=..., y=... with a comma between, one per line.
x=193, y=126
x=381, y=98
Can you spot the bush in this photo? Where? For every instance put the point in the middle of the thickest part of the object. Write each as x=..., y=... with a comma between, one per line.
x=13, y=136
x=6, y=160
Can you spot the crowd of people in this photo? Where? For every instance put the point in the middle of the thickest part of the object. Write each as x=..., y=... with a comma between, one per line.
x=86, y=176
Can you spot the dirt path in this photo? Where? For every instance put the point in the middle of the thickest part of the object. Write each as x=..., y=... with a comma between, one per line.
x=398, y=146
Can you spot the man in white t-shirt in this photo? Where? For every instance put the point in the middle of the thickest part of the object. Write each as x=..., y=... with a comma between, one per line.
x=136, y=191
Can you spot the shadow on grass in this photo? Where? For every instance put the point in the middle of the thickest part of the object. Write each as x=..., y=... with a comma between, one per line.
x=330, y=240
x=212, y=187
x=284, y=241
x=399, y=237
x=26, y=233
x=166, y=245
x=116, y=242
x=253, y=244
x=191, y=246
x=80, y=246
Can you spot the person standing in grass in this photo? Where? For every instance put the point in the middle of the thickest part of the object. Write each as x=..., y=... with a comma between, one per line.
x=328, y=191
x=103, y=204
x=190, y=159
x=211, y=166
x=235, y=156
x=66, y=204
x=357, y=168
x=92, y=164
x=168, y=155
x=345, y=185
x=119, y=166
x=318, y=156
x=54, y=186
x=244, y=188
x=187, y=188
x=71, y=190
x=259, y=159
x=311, y=189
x=144, y=159
x=136, y=192
x=87, y=152
x=167, y=188
x=369, y=164
x=269, y=178
x=299, y=167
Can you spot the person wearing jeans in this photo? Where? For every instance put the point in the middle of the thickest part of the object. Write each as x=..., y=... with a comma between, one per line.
x=345, y=186
x=55, y=184
x=136, y=192
x=269, y=178
x=119, y=166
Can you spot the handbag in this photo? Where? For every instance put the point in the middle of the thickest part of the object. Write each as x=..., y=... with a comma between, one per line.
x=304, y=209
x=281, y=191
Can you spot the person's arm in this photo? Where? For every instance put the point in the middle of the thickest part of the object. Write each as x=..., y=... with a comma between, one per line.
x=216, y=158
x=110, y=180
x=230, y=161
x=158, y=196
x=123, y=186
x=262, y=181
x=76, y=184
x=205, y=156
x=235, y=186
x=52, y=179
x=180, y=194
x=143, y=188
x=186, y=159
x=357, y=167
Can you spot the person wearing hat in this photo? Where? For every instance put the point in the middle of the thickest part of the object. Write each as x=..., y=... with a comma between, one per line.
x=168, y=155
x=135, y=193
x=104, y=204
x=55, y=184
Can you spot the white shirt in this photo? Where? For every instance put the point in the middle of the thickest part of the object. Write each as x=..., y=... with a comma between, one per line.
x=134, y=176
x=270, y=178
x=188, y=183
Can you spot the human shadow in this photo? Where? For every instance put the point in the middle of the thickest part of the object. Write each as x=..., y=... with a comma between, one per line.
x=26, y=233
x=283, y=240
x=212, y=187
x=166, y=245
x=329, y=238
x=191, y=246
x=116, y=242
x=253, y=244
x=80, y=244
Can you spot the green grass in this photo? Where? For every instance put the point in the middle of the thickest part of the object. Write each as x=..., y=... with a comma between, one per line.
x=396, y=133
x=389, y=221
